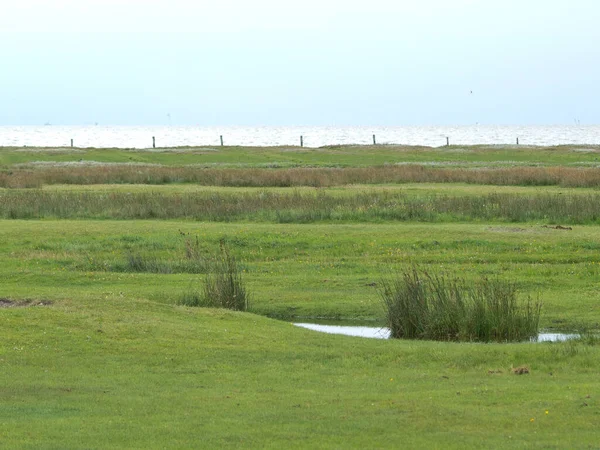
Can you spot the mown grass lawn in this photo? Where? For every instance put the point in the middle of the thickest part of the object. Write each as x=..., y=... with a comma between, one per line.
x=97, y=373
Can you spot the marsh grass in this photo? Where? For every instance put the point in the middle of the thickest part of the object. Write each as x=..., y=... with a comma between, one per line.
x=586, y=335
x=135, y=261
x=420, y=305
x=31, y=177
x=223, y=287
x=298, y=207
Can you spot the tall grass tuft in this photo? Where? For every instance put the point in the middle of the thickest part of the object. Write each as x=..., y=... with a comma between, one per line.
x=420, y=305
x=223, y=287
x=137, y=262
x=143, y=262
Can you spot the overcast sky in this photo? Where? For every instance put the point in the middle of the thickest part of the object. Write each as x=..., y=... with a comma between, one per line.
x=275, y=62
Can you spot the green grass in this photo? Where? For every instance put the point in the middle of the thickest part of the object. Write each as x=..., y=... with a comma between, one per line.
x=319, y=270
x=126, y=373
x=332, y=156
x=157, y=376
x=412, y=189
x=110, y=360
x=300, y=207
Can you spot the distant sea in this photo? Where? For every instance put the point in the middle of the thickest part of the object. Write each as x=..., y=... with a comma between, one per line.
x=174, y=136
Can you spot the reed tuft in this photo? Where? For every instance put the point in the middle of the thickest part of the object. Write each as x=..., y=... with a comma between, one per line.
x=420, y=305
x=224, y=286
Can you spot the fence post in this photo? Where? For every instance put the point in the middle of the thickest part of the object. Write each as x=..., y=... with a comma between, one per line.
x=221, y=138
x=447, y=141
x=301, y=141
x=153, y=142
x=374, y=142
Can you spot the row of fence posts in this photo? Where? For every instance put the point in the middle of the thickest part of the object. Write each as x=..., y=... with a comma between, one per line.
x=301, y=141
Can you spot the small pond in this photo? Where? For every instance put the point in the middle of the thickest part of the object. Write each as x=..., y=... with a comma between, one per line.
x=384, y=333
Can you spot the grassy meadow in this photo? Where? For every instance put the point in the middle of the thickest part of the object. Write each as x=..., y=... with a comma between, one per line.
x=97, y=246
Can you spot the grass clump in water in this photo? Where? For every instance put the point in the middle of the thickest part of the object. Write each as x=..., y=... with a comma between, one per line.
x=223, y=287
x=420, y=305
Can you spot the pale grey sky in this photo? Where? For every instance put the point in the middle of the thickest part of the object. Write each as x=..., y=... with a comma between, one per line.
x=327, y=62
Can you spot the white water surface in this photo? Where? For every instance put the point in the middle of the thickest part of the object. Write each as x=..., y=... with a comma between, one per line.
x=384, y=333
x=175, y=136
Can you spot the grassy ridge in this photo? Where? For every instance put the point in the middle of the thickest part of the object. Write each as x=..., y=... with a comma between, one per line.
x=331, y=156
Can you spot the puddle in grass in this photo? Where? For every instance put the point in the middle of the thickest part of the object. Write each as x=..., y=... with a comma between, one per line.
x=365, y=332
x=555, y=337
x=384, y=333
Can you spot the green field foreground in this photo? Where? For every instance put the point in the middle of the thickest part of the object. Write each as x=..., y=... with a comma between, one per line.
x=97, y=353
x=138, y=374
x=112, y=361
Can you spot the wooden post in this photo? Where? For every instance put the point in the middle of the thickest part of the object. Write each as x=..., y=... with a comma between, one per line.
x=374, y=142
x=153, y=142
x=517, y=141
x=447, y=141
x=301, y=141
x=71, y=142
x=221, y=137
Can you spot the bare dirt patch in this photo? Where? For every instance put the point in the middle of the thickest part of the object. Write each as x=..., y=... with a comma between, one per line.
x=297, y=149
x=82, y=163
x=523, y=370
x=507, y=229
x=55, y=150
x=587, y=150
x=558, y=227
x=8, y=303
x=196, y=150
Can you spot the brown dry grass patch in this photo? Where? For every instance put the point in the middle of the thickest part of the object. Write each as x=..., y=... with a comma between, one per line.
x=25, y=177
x=522, y=370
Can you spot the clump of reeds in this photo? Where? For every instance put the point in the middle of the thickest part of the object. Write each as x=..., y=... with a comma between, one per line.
x=223, y=287
x=420, y=305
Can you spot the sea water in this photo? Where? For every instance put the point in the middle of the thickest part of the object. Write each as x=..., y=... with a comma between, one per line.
x=176, y=136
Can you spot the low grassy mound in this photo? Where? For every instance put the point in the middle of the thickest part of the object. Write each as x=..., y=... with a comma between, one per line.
x=126, y=373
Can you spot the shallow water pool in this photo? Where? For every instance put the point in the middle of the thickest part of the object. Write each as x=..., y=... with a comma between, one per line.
x=384, y=333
